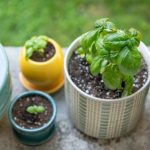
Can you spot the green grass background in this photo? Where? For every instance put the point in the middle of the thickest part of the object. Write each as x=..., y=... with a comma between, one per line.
x=64, y=20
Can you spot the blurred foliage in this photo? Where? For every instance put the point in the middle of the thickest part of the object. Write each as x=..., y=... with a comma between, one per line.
x=64, y=20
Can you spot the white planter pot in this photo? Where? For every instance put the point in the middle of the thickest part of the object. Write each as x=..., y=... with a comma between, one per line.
x=104, y=118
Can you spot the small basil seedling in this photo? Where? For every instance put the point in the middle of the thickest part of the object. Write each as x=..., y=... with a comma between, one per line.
x=35, y=109
x=112, y=53
x=35, y=44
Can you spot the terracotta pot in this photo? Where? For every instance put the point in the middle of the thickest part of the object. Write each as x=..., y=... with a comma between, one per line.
x=104, y=118
x=5, y=82
x=46, y=76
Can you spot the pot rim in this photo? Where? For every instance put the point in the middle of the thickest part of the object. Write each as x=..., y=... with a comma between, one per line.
x=56, y=46
x=5, y=67
x=51, y=120
x=71, y=49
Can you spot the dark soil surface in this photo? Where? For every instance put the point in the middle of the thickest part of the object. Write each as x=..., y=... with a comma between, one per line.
x=49, y=52
x=94, y=85
x=28, y=120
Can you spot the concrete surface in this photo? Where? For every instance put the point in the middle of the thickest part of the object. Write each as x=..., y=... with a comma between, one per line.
x=67, y=137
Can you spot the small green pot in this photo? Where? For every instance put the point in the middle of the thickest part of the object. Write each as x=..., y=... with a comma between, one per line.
x=35, y=136
x=5, y=82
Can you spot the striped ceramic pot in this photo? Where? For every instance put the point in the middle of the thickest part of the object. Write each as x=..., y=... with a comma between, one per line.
x=104, y=118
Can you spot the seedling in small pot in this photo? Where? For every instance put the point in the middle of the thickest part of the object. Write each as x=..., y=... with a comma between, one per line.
x=113, y=53
x=32, y=116
x=38, y=48
x=35, y=109
x=36, y=44
x=42, y=55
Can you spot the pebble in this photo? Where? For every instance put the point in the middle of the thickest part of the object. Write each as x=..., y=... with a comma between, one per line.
x=15, y=118
x=45, y=113
x=28, y=121
x=108, y=93
x=89, y=87
x=33, y=98
x=87, y=91
x=28, y=99
x=82, y=81
x=21, y=105
x=136, y=80
x=47, y=55
x=39, y=123
x=87, y=68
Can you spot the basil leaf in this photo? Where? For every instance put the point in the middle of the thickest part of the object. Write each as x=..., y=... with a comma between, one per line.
x=29, y=52
x=105, y=26
x=104, y=63
x=89, y=58
x=28, y=44
x=114, y=56
x=101, y=22
x=81, y=51
x=88, y=38
x=129, y=61
x=134, y=37
x=135, y=33
x=109, y=27
x=100, y=48
x=95, y=66
x=128, y=85
x=115, y=41
x=41, y=43
x=112, y=77
x=133, y=42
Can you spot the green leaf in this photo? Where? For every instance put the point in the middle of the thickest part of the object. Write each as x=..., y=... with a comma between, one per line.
x=89, y=58
x=81, y=51
x=129, y=61
x=35, y=109
x=112, y=77
x=30, y=109
x=28, y=44
x=114, y=56
x=105, y=26
x=134, y=38
x=115, y=41
x=95, y=66
x=29, y=52
x=100, y=48
x=87, y=39
x=40, y=109
x=42, y=43
x=35, y=44
x=104, y=63
x=128, y=85
x=101, y=22
x=109, y=27
x=135, y=33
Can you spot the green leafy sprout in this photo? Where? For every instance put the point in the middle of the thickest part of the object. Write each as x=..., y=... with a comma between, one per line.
x=35, y=109
x=112, y=53
x=35, y=44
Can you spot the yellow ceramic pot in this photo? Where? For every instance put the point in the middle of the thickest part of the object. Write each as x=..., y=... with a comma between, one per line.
x=46, y=76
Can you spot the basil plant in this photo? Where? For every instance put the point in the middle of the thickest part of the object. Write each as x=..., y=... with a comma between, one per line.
x=35, y=44
x=113, y=53
x=35, y=109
